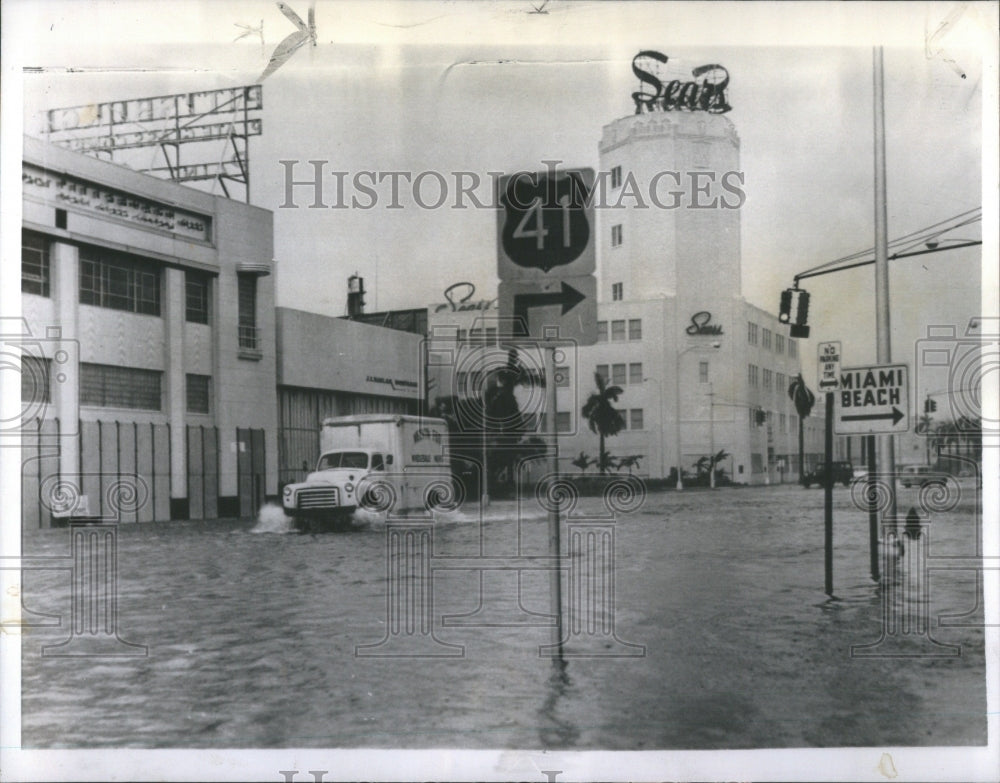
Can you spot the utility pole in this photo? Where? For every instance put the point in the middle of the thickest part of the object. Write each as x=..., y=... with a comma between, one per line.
x=887, y=455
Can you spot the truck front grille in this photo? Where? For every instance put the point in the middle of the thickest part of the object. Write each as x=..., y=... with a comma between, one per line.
x=319, y=497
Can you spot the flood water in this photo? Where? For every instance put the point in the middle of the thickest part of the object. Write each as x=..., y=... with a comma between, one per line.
x=251, y=633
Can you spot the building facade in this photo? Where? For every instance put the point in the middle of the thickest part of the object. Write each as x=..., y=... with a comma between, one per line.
x=150, y=312
x=337, y=367
x=701, y=369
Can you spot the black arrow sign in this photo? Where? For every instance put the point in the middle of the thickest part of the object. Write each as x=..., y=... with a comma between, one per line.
x=896, y=415
x=567, y=296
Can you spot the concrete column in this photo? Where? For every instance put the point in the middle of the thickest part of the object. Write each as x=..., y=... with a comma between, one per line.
x=65, y=384
x=176, y=398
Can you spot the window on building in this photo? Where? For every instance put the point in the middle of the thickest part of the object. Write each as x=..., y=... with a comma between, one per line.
x=35, y=271
x=616, y=176
x=616, y=235
x=766, y=339
x=247, y=294
x=197, y=286
x=617, y=291
x=617, y=331
x=602, y=370
x=752, y=374
x=602, y=331
x=793, y=349
x=562, y=376
x=767, y=378
x=793, y=422
x=779, y=343
x=635, y=372
x=779, y=381
x=119, y=282
x=752, y=333
x=635, y=419
x=782, y=421
x=198, y=387
x=564, y=421
x=110, y=386
x=35, y=388
x=703, y=372
x=635, y=329
x=618, y=374
x=480, y=336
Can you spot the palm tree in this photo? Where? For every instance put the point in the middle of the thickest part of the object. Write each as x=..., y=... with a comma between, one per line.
x=706, y=465
x=803, y=400
x=630, y=462
x=583, y=462
x=602, y=417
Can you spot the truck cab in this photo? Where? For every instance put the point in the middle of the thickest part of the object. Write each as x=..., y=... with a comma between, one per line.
x=337, y=484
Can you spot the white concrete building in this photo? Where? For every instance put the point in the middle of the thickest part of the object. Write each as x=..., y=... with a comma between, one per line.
x=701, y=369
x=151, y=307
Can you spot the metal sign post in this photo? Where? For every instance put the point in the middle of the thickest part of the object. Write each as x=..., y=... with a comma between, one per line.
x=555, y=545
x=828, y=496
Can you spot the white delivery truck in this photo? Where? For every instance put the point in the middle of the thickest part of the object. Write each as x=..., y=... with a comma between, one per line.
x=380, y=462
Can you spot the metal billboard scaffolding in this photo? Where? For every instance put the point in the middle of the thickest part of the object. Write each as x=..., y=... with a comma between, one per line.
x=214, y=128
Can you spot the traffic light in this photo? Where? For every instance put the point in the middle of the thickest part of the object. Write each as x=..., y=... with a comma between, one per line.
x=785, y=310
x=930, y=406
x=800, y=328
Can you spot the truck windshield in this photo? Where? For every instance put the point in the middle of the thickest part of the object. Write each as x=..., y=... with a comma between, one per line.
x=357, y=460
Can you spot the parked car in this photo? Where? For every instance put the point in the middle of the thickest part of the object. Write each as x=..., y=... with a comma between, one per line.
x=916, y=474
x=832, y=472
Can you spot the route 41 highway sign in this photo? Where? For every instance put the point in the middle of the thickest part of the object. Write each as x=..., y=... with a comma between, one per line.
x=545, y=255
x=545, y=225
x=873, y=400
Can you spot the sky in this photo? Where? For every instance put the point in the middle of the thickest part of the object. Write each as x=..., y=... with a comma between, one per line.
x=481, y=87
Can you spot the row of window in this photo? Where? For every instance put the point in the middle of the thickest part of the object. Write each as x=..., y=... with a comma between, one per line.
x=564, y=420
x=618, y=330
x=785, y=423
x=770, y=378
x=116, y=280
x=477, y=336
x=112, y=386
x=765, y=340
x=620, y=372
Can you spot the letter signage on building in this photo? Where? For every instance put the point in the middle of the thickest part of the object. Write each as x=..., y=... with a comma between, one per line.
x=701, y=323
x=73, y=193
x=459, y=296
x=708, y=94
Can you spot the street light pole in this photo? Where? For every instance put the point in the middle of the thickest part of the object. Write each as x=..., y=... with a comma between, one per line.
x=677, y=412
x=677, y=416
x=711, y=436
x=659, y=394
